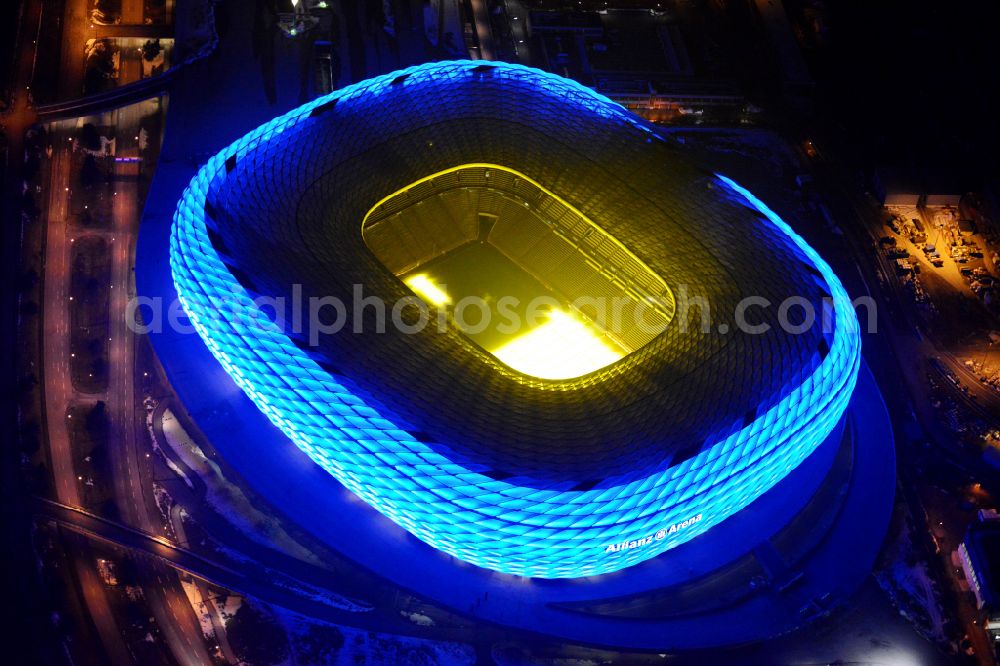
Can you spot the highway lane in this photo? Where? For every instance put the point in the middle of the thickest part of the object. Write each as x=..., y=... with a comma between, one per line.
x=133, y=496
x=518, y=15
x=133, y=487
x=168, y=602
x=59, y=394
x=99, y=607
x=173, y=612
x=132, y=12
x=484, y=34
x=76, y=30
x=56, y=384
x=95, y=593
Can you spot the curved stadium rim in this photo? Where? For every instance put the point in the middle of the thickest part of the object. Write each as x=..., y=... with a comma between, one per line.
x=546, y=533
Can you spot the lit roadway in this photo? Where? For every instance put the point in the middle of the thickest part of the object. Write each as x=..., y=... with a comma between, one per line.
x=168, y=602
x=58, y=390
x=133, y=493
x=164, y=594
x=517, y=13
x=481, y=22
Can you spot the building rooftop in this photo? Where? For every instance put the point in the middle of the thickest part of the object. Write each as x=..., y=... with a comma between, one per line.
x=982, y=543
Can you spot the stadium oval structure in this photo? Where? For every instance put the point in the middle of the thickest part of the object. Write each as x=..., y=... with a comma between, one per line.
x=548, y=479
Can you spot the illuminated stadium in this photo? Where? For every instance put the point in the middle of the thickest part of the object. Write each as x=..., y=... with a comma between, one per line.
x=643, y=458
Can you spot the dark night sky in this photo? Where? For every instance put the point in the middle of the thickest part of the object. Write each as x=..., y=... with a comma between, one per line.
x=913, y=80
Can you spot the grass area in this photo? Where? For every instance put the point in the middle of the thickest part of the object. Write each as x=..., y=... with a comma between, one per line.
x=90, y=291
x=91, y=205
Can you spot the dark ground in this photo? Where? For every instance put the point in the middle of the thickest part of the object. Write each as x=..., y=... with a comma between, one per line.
x=911, y=82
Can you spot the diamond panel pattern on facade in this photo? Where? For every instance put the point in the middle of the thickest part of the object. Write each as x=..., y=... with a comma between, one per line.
x=511, y=473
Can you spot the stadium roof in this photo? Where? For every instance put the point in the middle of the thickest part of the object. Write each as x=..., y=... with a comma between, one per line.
x=692, y=420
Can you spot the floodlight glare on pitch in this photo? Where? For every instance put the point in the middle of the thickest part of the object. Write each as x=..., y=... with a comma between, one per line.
x=427, y=290
x=560, y=348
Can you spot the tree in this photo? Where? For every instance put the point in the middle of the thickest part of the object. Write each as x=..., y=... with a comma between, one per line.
x=29, y=279
x=319, y=644
x=40, y=481
x=100, y=64
x=28, y=205
x=101, y=58
x=151, y=49
x=32, y=164
x=90, y=138
x=109, y=509
x=97, y=419
x=127, y=572
x=90, y=173
x=257, y=638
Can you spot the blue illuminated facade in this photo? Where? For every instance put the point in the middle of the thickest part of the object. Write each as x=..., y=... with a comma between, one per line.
x=555, y=530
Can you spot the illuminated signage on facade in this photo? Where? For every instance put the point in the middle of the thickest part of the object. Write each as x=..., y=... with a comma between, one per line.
x=660, y=534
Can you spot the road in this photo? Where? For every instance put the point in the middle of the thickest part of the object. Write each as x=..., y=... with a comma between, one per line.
x=180, y=628
x=59, y=394
x=57, y=387
x=518, y=15
x=133, y=497
x=98, y=606
x=133, y=487
x=484, y=33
